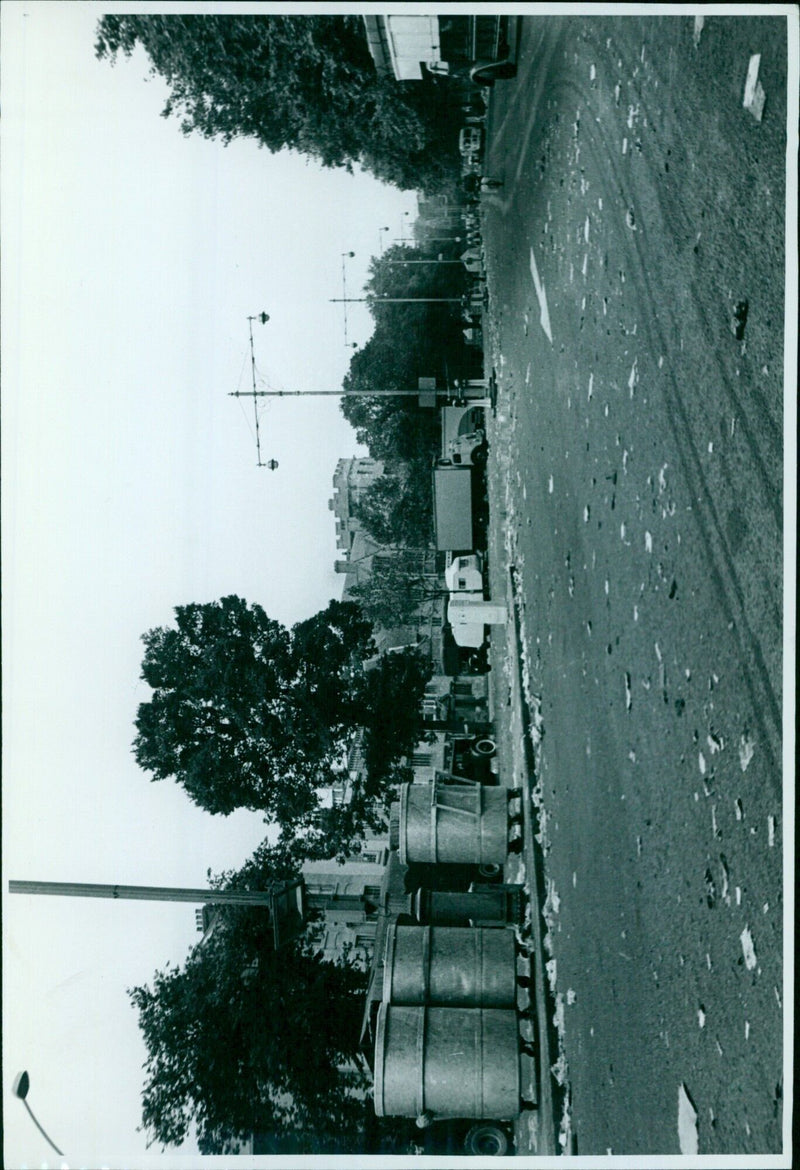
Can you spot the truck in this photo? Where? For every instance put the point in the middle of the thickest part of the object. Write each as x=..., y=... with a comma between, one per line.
x=464, y=435
x=465, y=574
x=468, y=613
x=452, y=507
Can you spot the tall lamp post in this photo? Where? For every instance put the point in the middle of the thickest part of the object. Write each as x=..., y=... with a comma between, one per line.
x=346, y=256
x=270, y=463
x=22, y=1082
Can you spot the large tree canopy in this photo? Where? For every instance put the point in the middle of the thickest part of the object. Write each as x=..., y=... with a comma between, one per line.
x=240, y=714
x=327, y=652
x=394, y=727
x=245, y=713
x=304, y=82
x=244, y=1038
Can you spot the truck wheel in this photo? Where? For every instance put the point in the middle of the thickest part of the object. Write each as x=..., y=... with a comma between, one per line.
x=484, y=747
x=487, y=1140
x=491, y=872
x=480, y=455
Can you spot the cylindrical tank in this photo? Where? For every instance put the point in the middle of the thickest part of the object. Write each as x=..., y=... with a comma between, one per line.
x=486, y=907
x=446, y=1062
x=453, y=823
x=449, y=966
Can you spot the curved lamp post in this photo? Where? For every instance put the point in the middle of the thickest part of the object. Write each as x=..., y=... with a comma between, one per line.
x=22, y=1082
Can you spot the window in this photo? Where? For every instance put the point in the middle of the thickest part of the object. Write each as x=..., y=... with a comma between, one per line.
x=369, y=855
x=324, y=889
x=373, y=893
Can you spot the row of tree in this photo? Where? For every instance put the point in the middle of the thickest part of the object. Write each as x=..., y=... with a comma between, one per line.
x=419, y=338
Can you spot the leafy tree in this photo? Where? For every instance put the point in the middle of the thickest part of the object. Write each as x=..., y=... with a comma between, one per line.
x=246, y=714
x=393, y=592
x=237, y=717
x=271, y=862
x=392, y=717
x=410, y=340
x=244, y=1038
x=327, y=652
x=396, y=508
x=303, y=82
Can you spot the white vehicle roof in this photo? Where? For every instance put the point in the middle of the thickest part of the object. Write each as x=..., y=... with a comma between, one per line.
x=455, y=568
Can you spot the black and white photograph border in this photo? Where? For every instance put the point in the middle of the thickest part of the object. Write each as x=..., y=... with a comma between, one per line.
x=500, y=599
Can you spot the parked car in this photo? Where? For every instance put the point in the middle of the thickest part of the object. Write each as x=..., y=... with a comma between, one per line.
x=470, y=141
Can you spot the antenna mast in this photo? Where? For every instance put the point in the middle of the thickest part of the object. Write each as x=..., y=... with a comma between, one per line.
x=270, y=463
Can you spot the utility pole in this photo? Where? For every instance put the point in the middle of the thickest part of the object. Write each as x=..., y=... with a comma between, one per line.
x=285, y=902
x=270, y=463
x=429, y=260
x=337, y=393
x=145, y=893
x=399, y=300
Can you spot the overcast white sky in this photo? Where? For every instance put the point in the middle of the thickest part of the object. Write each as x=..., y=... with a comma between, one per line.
x=132, y=257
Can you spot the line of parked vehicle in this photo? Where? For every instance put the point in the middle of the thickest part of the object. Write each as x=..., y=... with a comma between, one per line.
x=464, y=452
x=448, y=1047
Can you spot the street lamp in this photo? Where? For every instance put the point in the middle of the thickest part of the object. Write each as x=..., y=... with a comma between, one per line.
x=22, y=1082
x=270, y=463
x=380, y=237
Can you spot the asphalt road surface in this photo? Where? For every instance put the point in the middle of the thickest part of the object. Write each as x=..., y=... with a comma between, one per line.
x=635, y=260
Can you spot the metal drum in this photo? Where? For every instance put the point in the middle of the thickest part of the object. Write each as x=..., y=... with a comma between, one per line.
x=446, y=1062
x=453, y=823
x=488, y=906
x=449, y=966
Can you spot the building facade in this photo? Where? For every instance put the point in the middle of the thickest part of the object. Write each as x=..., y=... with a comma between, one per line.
x=350, y=480
x=349, y=896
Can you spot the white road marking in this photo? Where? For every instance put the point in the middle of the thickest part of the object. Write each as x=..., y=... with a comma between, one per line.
x=541, y=296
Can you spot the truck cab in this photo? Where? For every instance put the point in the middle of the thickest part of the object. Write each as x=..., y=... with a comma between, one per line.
x=465, y=574
x=464, y=436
